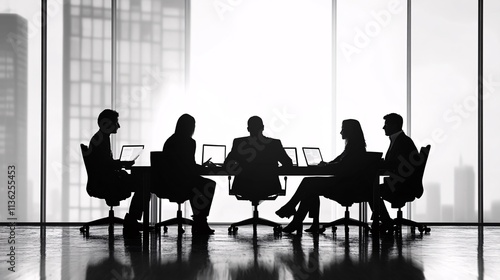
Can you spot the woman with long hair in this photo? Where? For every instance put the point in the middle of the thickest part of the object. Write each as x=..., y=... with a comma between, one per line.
x=343, y=182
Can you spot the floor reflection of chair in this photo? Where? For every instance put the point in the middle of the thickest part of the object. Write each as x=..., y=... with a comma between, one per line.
x=159, y=183
x=256, y=269
x=369, y=172
x=255, y=219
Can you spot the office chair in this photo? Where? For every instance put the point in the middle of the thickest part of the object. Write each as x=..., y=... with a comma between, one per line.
x=400, y=202
x=370, y=174
x=158, y=183
x=111, y=202
x=255, y=219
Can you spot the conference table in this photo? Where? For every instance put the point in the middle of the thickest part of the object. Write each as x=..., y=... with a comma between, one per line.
x=144, y=175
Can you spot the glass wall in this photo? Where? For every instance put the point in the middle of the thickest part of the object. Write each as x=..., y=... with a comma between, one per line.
x=444, y=107
x=20, y=84
x=491, y=95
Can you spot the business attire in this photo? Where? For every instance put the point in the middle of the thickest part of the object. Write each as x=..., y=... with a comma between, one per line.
x=255, y=161
x=107, y=179
x=401, y=182
x=183, y=175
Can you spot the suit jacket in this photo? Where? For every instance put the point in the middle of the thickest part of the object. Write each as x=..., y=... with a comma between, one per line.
x=255, y=160
x=104, y=173
x=403, y=177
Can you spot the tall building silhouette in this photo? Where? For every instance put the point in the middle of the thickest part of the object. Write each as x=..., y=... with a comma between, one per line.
x=150, y=51
x=13, y=110
x=464, y=193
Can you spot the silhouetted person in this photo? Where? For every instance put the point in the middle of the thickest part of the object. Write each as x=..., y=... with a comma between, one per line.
x=255, y=159
x=344, y=184
x=109, y=180
x=183, y=174
x=400, y=182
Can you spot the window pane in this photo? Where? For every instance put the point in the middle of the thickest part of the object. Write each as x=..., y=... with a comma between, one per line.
x=72, y=120
x=20, y=84
x=444, y=107
x=491, y=95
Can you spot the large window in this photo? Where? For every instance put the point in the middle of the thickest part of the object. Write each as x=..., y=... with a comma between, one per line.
x=303, y=66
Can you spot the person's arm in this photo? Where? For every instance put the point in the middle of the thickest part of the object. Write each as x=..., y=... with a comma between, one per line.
x=283, y=157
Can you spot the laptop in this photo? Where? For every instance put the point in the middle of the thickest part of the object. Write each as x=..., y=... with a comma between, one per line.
x=131, y=152
x=312, y=155
x=215, y=153
x=292, y=153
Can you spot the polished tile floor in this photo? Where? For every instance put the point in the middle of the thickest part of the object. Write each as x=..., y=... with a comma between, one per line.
x=63, y=253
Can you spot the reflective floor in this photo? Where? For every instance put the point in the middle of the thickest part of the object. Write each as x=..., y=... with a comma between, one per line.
x=63, y=253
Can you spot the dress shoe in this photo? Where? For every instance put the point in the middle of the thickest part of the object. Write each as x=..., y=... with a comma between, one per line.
x=131, y=223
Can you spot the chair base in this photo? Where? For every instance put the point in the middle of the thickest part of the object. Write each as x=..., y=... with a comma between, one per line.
x=346, y=221
x=178, y=220
x=399, y=221
x=111, y=220
x=254, y=221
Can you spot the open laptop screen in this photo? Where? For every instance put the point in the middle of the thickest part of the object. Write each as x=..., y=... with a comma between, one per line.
x=312, y=155
x=131, y=152
x=216, y=153
x=292, y=153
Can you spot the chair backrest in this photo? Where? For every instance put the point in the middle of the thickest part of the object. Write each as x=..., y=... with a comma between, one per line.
x=85, y=151
x=159, y=183
x=420, y=164
x=369, y=173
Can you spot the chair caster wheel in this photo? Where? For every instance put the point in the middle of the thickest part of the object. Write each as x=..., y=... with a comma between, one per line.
x=334, y=229
x=232, y=230
x=277, y=229
x=424, y=229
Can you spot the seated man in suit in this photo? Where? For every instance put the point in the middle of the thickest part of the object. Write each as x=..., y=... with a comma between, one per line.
x=107, y=179
x=400, y=183
x=255, y=159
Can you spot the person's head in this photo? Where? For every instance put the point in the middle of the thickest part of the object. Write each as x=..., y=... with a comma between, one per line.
x=393, y=123
x=352, y=133
x=255, y=125
x=185, y=126
x=108, y=121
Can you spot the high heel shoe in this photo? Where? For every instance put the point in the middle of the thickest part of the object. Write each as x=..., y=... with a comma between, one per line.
x=285, y=212
x=293, y=226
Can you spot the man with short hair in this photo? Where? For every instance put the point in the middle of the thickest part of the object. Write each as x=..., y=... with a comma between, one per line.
x=400, y=182
x=255, y=159
x=107, y=179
